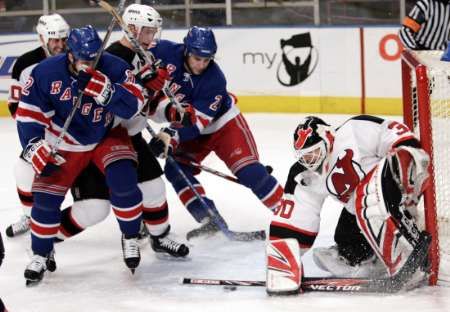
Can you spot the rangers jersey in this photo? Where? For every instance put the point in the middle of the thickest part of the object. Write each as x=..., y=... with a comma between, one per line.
x=206, y=92
x=50, y=92
x=359, y=145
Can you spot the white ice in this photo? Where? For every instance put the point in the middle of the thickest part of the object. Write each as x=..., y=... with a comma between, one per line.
x=91, y=275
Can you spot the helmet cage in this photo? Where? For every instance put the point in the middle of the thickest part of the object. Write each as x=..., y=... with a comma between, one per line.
x=312, y=142
x=312, y=157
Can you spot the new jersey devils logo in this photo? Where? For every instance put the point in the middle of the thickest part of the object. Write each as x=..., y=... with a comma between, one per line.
x=303, y=135
x=344, y=177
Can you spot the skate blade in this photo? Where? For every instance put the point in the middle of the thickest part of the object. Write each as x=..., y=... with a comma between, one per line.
x=32, y=283
x=166, y=257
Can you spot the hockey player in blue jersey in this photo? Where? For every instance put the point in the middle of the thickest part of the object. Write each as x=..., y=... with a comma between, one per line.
x=46, y=102
x=90, y=192
x=220, y=126
x=53, y=31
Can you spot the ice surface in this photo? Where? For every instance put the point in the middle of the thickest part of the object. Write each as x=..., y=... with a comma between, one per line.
x=91, y=275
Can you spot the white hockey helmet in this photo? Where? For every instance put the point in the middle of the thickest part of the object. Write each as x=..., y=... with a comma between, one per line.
x=313, y=141
x=52, y=26
x=141, y=15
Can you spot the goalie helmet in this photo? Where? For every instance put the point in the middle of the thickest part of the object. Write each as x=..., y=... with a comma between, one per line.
x=84, y=43
x=140, y=16
x=52, y=26
x=313, y=141
x=201, y=42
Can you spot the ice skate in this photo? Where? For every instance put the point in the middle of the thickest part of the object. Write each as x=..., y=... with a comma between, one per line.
x=131, y=252
x=164, y=245
x=34, y=271
x=20, y=227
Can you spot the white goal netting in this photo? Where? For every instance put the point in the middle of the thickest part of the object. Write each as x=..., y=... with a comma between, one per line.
x=438, y=73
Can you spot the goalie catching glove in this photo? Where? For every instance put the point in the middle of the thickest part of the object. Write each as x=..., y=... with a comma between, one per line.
x=409, y=168
x=95, y=84
x=164, y=143
x=385, y=203
x=38, y=154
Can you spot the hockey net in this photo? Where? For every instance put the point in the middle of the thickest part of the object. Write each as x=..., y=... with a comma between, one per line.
x=426, y=110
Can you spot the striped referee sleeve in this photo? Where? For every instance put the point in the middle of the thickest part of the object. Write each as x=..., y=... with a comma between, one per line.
x=427, y=26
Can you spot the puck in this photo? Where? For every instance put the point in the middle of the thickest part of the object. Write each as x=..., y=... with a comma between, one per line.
x=229, y=288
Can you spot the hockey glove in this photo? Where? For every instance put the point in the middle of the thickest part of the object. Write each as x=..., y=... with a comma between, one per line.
x=95, y=84
x=409, y=167
x=153, y=79
x=164, y=143
x=186, y=117
x=38, y=154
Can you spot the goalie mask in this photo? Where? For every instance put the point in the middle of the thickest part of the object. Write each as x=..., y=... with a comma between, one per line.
x=140, y=16
x=313, y=140
x=52, y=26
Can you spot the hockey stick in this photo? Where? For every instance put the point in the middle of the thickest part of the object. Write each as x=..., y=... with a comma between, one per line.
x=232, y=235
x=145, y=54
x=80, y=92
x=195, y=165
x=150, y=59
x=355, y=285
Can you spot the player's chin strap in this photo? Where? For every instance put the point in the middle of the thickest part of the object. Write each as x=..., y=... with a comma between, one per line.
x=381, y=210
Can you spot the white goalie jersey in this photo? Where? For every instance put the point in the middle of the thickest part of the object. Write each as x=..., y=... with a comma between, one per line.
x=359, y=145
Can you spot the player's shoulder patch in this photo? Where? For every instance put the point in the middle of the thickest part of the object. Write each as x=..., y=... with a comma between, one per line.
x=26, y=60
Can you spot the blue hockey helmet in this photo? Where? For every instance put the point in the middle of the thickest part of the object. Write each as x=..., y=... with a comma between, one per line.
x=201, y=42
x=84, y=43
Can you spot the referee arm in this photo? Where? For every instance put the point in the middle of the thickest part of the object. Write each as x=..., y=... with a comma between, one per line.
x=411, y=25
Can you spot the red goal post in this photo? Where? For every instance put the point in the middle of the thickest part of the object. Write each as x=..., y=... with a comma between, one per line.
x=426, y=110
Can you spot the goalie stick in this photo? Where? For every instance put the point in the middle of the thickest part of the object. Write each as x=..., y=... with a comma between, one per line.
x=75, y=106
x=391, y=284
x=232, y=235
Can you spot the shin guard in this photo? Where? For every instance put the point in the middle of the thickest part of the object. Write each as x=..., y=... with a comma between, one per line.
x=284, y=267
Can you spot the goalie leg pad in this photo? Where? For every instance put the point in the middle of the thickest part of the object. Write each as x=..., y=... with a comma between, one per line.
x=378, y=225
x=284, y=267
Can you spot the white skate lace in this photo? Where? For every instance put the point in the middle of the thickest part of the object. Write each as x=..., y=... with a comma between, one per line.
x=130, y=248
x=37, y=263
x=22, y=225
x=169, y=244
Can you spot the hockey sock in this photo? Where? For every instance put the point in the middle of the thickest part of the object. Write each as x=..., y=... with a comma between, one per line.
x=68, y=226
x=126, y=198
x=155, y=211
x=45, y=221
x=262, y=184
x=26, y=199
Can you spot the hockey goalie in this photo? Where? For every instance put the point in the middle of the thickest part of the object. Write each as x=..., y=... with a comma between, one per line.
x=377, y=170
